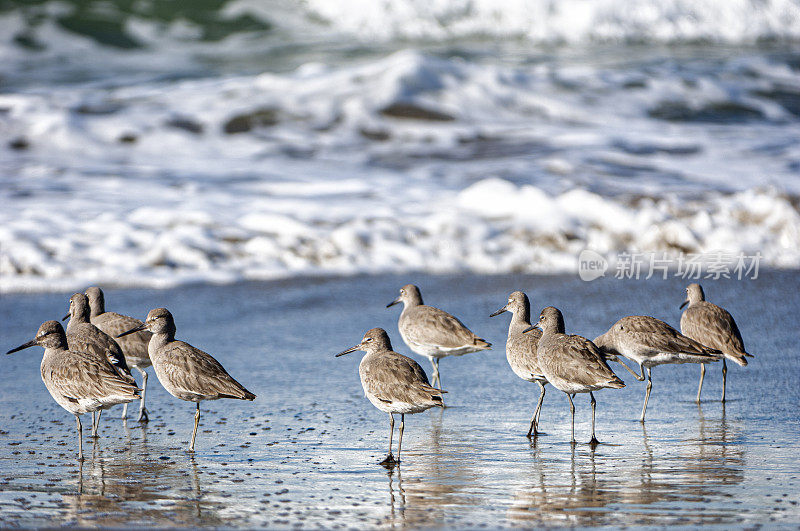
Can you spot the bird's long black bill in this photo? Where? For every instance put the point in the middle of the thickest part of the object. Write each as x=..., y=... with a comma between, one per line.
x=348, y=351
x=684, y=304
x=396, y=301
x=529, y=329
x=132, y=330
x=65, y=317
x=498, y=312
x=30, y=343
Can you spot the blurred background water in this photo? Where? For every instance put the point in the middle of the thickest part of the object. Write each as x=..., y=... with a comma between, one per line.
x=154, y=143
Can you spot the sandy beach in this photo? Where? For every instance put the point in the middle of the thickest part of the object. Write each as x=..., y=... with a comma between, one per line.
x=305, y=453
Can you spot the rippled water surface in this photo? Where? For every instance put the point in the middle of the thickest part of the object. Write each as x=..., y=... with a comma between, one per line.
x=306, y=451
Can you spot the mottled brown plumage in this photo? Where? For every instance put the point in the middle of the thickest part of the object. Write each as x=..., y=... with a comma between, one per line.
x=572, y=363
x=133, y=346
x=714, y=327
x=393, y=383
x=187, y=372
x=80, y=382
x=649, y=342
x=522, y=348
x=432, y=332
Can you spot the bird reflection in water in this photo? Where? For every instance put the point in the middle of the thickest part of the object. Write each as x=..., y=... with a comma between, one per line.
x=164, y=492
x=657, y=486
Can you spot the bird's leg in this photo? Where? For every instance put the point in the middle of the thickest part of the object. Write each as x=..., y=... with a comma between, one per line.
x=96, y=425
x=389, y=458
x=400, y=441
x=80, y=438
x=534, y=429
x=647, y=393
x=125, y=412
x=572, y=411
x=639, y=377
x=541, y=401
x=702, y=376
x=724, y=378
x=196, y=422
x=142, y=410
x=593, y=441
x=435, y=374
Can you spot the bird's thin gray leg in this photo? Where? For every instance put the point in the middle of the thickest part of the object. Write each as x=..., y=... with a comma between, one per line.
x=96, y=424
x=594, y=440
x=702, y=376
x=572, y=411
x=143, y=417
x=196, y=422
x=541, y=401
x=534, y=429
x=435, y=375
x=400, y=441
x=125, y=411
x=724, y=378
x=80, y=438
x=647, y=393
x=390, y=458
x=639, y=377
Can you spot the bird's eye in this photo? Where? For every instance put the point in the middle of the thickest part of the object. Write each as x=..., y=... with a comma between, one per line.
x=369, y=339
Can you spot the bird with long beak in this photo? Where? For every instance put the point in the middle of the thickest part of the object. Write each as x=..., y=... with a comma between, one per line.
x=572, y=364
x=186, y=372
x=432, y=332
x=714, y=327
x=649, y=342
x=83, y=336
x=521, y=349
x=393, y=383
x=79, y=382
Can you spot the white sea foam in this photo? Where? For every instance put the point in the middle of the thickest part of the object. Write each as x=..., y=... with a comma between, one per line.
x=736, y=21
x=407, y=162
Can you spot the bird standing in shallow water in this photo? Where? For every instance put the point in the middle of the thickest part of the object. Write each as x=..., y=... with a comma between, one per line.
x=393, y=383
x=649, y=342
x=432, y=332
x=134, y=346
x=186, y=372
x=572, y=363
x=79, y=382
x=713, y=327
x=83, y=336
x=521, y=348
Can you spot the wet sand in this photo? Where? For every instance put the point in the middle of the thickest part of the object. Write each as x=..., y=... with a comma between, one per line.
x=304, y=453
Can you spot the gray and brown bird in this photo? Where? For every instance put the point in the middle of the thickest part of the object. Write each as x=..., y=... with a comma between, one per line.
x=572, y=363
x=83, y=336
x=134, y=346
x=432, y=332
x=714, y=327
x=79, y=382
x=522, y=349
x=186, y=372
x=649, y=342
x=393, y=383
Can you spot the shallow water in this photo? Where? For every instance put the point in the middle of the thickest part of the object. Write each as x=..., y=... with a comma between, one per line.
x=305, y=452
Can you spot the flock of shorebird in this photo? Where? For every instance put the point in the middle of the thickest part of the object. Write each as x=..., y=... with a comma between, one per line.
x=87, y=368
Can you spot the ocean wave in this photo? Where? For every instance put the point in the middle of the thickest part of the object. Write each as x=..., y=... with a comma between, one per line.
x=566, y=21
x=402, y=163
x=493, y=226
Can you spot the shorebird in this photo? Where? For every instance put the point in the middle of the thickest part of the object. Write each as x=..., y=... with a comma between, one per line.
x=186, y=372
x=393, y=383
x=432, y=332
x=79, y=382
x=83, y=336
x=134, y=346
x=649, y=342
x=521, y=348
x=713, y=327
x=571, y=363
